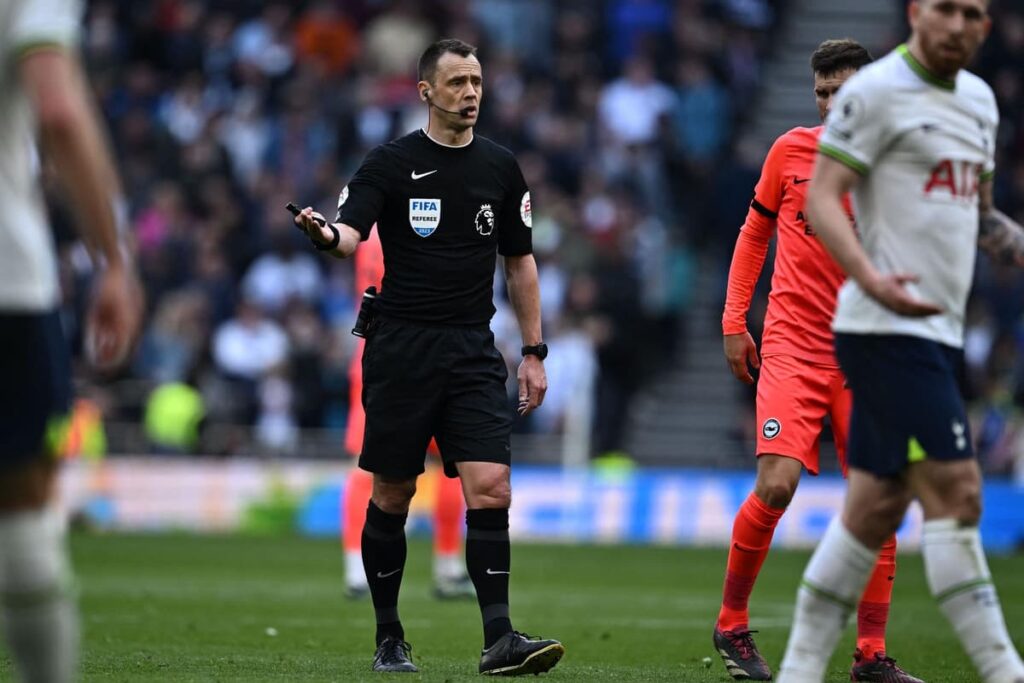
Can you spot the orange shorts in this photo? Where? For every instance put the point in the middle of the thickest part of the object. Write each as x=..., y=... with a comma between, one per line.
x=793, y=399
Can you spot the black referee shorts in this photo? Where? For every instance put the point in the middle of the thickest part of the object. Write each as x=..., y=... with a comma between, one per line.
x=444, y=382
x=35, y=386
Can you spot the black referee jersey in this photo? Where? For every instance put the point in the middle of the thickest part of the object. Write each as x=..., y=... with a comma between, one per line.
x=442, y=213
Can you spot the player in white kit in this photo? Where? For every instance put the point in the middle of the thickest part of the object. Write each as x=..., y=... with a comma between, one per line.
x=43, y=99
x=913, y=137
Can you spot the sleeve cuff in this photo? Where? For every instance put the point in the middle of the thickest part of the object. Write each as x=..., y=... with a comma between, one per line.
x=732, y=327
x=842, y=157
x=526, y=251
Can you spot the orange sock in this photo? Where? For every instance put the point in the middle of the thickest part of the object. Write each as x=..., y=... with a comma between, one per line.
x=873, y=611
x=355, y=498
x=751, y=537
x=448, y=516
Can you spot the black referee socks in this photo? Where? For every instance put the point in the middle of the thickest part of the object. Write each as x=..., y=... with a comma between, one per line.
x=488, y=560
x=384, y=551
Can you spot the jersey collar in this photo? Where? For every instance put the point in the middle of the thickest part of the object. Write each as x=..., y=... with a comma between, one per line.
x=923, y=73
x=438, y=142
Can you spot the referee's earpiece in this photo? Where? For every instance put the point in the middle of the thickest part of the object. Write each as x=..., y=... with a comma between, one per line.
x=426, y=95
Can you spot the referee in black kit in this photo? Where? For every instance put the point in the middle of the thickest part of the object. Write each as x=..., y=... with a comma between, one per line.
x=444, y=200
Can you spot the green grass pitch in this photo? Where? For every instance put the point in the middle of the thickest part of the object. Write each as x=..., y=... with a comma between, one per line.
x=191, y=608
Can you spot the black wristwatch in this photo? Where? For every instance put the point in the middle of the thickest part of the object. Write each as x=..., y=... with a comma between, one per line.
x=539, y=350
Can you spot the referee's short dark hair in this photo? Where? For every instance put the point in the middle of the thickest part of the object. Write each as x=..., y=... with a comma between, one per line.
x=834, y=56
x=428, y=60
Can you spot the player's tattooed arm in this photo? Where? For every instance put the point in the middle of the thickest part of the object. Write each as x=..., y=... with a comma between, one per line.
x=1001, y=237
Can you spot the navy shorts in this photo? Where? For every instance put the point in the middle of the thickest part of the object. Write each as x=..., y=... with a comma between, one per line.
x=907, y=403
x=35, y=385
x=444, y=382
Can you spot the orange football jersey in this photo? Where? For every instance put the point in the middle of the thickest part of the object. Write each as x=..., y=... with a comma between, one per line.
x=806, y=279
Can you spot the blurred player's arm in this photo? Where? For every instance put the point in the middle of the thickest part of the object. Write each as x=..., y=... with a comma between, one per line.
x=71, y=136
x=524, y=293
x=999, y=236
x=832, y=180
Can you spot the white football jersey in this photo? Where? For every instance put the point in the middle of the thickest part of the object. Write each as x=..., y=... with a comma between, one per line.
x=28, y=272
x=921, y=145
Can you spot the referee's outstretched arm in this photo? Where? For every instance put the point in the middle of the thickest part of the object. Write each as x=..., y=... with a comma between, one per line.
x=321, y=232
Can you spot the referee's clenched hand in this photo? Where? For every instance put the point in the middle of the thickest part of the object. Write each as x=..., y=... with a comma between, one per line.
x=533, y=383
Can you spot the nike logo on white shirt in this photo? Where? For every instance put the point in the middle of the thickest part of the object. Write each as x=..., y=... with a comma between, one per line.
x=417, y=176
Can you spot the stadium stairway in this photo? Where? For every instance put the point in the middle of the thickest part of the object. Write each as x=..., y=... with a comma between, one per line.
x=785, y=99
x=693, y=414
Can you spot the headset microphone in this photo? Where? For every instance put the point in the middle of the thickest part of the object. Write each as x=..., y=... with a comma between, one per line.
x=464, y=112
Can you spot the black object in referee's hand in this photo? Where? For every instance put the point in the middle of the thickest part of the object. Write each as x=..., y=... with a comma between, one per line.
x=319, y=246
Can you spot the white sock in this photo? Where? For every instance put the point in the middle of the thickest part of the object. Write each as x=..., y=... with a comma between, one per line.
x=449, y=566
x=355, y=574
x=831, y=587
x=959, y=579
x=36, y=590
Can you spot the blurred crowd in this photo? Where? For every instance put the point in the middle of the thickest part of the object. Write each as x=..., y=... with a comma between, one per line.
x=626, y=117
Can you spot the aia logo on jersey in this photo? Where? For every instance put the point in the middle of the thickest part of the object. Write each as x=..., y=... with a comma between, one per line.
x=424, y=216
x=957, y=180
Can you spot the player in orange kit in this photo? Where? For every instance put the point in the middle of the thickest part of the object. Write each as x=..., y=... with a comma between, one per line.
x=800, y=381
x=450, y=577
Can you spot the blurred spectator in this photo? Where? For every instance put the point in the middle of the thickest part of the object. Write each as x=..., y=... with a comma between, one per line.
x=174, y=413
x=245, y=134
x=326, y=39
x=249, y=345
x=85, y=436
x=636, y=26
x=632, y=110
x=263, y=41
x=700, y=116
x=618, y=355
x=395, y=39
x=632, y=105
x=276, y=428
x=572, y=365
x=174, y=342
x=283, y=274
x=521, y=27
